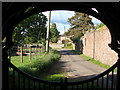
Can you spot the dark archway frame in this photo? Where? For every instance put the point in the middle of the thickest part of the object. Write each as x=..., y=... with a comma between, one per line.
x=13, y=13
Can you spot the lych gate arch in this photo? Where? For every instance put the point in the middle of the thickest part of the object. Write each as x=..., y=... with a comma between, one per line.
x=13, y=13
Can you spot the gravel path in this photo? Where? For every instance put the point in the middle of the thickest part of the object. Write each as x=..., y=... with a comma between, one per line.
x=74, y=66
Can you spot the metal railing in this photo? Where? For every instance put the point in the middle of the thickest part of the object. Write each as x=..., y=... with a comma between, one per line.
x=21, y=80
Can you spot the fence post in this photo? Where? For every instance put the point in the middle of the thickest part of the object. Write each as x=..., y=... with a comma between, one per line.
x=118, y=73
x=21, y=54
x=41, y=49
x=29, y=52
x=36, y=52
x=36, y=49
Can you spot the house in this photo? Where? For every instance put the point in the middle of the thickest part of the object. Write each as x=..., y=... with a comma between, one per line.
x=64, y=38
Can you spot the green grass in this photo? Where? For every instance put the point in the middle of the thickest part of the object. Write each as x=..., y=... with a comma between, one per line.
x=38, y=64
x=94, y=61
x=54, y=77
x=41, y=63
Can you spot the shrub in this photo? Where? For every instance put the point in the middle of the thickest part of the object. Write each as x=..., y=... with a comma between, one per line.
x=69, y=46
x=39, y=64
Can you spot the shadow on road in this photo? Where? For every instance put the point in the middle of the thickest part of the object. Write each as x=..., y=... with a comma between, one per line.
x=67, y=52
x=107, y=81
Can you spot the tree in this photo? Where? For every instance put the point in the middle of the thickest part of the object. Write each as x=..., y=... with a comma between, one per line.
x=99, y=25
x=80, y=23
x=54, y=33
x=30, y=30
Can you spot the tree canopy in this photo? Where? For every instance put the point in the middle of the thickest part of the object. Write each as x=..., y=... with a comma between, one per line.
x=99, y=25
x=30, y=30
x=80, y=23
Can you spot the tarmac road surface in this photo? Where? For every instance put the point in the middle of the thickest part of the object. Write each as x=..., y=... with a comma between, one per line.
x=74, y=66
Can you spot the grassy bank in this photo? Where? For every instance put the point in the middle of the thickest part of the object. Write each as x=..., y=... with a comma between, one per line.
x=94, y=61
x=37, y=66
x=39, y=63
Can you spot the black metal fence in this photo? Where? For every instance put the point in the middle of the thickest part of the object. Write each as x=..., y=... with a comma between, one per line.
x=20, y=80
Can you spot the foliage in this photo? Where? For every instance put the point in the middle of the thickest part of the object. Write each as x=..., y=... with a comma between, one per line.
x=80, y=23
x=81, y=20
x=76, y=37
x=54, y=77
x=54, y=33
x=99, y=25
x=38, y=65
x=69, y=46
x=30, y=30
x=54, y=39
x=95, y=61
x=43, y=42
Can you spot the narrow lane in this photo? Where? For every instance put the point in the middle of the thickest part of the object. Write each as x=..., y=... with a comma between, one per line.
x=75, y=67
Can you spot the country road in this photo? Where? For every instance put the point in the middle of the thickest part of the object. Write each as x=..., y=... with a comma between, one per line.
x=74, y=66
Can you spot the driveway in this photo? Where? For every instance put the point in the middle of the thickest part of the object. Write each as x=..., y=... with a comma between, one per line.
x=74, y=66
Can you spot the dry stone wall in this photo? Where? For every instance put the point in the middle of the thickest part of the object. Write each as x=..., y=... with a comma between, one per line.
x=95, y=45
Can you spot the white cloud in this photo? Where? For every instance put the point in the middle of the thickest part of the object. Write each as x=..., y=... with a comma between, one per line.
x=95, y=20
x=60, y=17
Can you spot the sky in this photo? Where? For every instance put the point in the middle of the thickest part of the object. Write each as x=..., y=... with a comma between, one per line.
x=60, y=17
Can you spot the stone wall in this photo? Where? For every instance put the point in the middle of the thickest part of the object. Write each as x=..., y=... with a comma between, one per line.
x=95, y=45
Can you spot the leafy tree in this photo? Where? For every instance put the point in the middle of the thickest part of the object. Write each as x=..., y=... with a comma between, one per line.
x=80, y=23
x=54, y=33
x=99, y=25
x=30, y=30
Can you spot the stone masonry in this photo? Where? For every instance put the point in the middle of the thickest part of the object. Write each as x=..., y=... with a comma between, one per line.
x=95, y=45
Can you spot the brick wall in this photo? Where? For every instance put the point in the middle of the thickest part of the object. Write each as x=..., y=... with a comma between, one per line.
x=95, y=45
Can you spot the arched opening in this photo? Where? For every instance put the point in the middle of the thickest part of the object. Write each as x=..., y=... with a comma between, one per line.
x=115, y=40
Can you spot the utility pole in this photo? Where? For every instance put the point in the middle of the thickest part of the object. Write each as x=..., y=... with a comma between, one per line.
x=48, y=30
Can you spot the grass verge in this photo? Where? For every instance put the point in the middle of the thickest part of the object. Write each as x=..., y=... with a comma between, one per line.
x=38, y=64
x=54, y=77
x=94, y=61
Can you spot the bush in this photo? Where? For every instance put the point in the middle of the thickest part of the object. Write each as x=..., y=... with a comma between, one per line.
x=38, y=65
x=54, y=40
x=100, y=25
x=69, y=46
